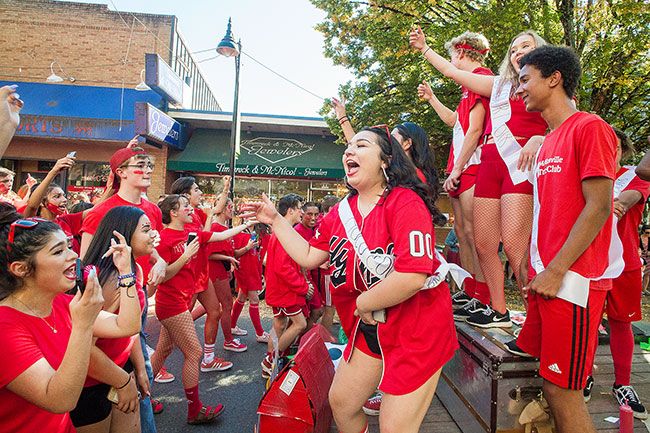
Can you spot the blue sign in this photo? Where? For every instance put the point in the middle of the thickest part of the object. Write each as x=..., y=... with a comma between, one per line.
x=162, y=78
x=156, y=126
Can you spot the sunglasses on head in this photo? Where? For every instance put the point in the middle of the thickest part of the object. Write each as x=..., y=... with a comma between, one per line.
x=385, y=128
x=25, y=224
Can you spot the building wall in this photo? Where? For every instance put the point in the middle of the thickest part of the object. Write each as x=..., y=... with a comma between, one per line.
x=89, y=41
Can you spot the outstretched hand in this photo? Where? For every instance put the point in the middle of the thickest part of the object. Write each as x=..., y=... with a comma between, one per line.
x=10, y=105
x=416, y=38
x=263, y=211
x=339, y=107
x=121, y=253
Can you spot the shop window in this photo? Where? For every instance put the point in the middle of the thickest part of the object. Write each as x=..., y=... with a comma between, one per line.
x=88, y=176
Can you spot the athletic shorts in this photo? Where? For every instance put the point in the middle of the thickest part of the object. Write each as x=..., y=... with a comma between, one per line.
x=624, y=300
x=563, y=336
x=290, y=311
x=360, y=343
x=467, y=181
x=493, y=179
x=166, y=308
x=93, y=405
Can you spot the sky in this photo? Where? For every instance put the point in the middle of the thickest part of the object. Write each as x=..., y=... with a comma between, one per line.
x=278, y=33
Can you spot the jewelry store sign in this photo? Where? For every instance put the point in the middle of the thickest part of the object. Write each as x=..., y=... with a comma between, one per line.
x=285, y=157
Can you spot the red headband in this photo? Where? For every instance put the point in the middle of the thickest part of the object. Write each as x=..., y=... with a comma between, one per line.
x=470, y=48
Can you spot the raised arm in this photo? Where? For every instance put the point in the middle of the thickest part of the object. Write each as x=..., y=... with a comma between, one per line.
x=227, y=234
x=481, y=84
x=343, y=119
x=295, y=245
x=38, y=195
x=446, y=115
x=10, y=105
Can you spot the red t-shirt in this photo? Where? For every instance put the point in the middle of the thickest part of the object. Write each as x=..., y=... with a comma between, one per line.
x=628, y=226
x=119, y=349
x=286, y=286
x=583, y=146
x=71, y=224
x=467, y=102
x=96, y=214
x=24, y=340
x=179, y=289
x=307, y=234
x=249, y=274
x=216, y=268
x=198, y=222
x=401, y=225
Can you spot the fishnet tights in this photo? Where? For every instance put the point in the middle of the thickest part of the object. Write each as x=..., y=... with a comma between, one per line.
x=179, y=331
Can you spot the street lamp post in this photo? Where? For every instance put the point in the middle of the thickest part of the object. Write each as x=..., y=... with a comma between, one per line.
x=227, y=47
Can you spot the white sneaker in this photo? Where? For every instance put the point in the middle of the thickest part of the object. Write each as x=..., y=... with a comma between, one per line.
x=264, y=338
x=238, y=331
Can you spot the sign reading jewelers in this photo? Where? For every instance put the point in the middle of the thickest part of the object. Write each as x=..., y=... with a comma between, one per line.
x=282, y=157
x=156, y=126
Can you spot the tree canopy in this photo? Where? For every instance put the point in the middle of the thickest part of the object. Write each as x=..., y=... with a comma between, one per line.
x=370, y=38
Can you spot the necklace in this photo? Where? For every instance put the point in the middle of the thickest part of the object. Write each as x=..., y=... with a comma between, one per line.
x=36, y=314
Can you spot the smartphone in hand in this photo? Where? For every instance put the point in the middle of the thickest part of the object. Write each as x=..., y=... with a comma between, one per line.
x=190, y=237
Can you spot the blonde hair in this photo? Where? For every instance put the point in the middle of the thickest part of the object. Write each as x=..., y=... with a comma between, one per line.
x=506, y=70
x=478, y=43
x=5, y=172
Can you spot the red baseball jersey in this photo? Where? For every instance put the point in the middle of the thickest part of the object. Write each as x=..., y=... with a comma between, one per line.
x=400, y=224
x=286, y=286
x=174, y=295
x=26, y=339
x=583, y=146
x=467, y=102
x=95, y=215
x=628, y=226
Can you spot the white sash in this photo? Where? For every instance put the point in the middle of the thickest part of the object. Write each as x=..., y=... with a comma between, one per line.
x=458, y=138
x=575, y=287
x=505, y=141
x=616, y=246
x=380, y=265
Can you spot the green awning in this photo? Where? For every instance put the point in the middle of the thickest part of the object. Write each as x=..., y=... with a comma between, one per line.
x=261, y=155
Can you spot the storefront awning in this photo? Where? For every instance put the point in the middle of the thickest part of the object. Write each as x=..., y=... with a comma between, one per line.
x=261, y=155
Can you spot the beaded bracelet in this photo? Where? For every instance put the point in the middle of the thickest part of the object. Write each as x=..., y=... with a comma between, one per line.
x=126, y=276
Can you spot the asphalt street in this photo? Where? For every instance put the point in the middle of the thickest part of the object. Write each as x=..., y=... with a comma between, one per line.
x=238, y=389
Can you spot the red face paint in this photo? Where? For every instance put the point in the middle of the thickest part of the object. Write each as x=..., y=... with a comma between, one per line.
x=138, y=171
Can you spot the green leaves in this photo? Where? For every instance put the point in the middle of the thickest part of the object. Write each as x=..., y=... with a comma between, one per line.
x=370, y=38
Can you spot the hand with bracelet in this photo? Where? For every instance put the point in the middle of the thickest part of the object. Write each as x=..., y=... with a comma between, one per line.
x=128, y=395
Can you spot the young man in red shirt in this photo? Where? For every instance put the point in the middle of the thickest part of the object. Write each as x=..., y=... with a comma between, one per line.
x=572, y=227
x=306, y=228
x=286, y=286
x=624, y=300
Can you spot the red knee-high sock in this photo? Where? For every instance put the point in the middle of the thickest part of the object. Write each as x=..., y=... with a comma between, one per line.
x=621, y=343
x=254, y=312
x=482, y=292
x=469, y=286
x=237, y=306
x=193, y=401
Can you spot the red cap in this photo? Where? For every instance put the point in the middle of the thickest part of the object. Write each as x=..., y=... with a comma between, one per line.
x=123, y=155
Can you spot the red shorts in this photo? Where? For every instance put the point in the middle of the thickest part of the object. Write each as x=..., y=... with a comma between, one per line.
x=466, y=181
x=624, y=300
x=290, y=311
x=169, y=306
x=493, y=179
x=563, y=336
x=361, y=344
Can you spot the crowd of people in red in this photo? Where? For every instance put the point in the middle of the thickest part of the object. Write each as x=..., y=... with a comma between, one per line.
x=526, y=170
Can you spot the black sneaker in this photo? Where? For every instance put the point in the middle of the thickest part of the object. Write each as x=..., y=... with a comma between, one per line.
x=586, y=392
x=473, y=306
x=626, y=394
x=511, y=346
x=460, y=299
x=490, y=318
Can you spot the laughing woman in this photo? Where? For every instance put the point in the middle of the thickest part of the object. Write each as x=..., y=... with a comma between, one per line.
x=45, y=335
x=393, y=210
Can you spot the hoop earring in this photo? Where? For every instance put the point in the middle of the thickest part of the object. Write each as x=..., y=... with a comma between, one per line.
x=383, y=170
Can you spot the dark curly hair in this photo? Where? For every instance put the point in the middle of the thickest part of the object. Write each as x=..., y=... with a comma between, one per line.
x=551, y=58
x=424, y=159
x=401, y=170
x=27, y=243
